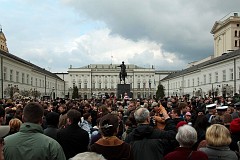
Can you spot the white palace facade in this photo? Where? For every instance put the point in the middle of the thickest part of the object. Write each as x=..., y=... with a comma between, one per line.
x=217, y=75
x=96, y=80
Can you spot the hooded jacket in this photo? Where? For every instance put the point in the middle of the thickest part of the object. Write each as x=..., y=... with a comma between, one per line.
x=30, y=143
x=150, y=143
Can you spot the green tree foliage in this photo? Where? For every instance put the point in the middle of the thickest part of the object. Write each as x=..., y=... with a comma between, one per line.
x=160, y=92
x=75, y=93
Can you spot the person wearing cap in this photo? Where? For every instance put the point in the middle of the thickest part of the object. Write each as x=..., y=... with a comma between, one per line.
x=235, y=134
x=211, y=112
x=188, y=118
x=222, y=116
x=30, y=142
x=236, y=113
x=109, y=145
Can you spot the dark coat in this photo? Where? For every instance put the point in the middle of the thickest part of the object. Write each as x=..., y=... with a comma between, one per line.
x=51, y=131
x=73, y=140
x=150, y=143
x=182, y=153
x=235, y=138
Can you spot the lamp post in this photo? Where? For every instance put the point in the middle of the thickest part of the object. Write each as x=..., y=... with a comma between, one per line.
x=149, y=93
x=70, y=92
x=53, y=94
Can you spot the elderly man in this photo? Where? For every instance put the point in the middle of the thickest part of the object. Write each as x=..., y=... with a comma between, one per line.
x=30, y=142
x=150, y=143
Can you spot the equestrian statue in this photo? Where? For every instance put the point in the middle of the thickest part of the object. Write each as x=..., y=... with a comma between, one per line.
x=123, y=73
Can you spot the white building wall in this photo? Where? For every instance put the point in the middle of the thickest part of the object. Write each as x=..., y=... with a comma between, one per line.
x=207, y=87
x=28, y=81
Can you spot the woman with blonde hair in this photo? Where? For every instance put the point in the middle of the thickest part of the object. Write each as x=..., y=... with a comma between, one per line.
x=218, y=139
x=14, y=124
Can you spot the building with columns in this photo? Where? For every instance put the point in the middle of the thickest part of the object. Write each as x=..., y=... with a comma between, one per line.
x=21, y=78
x=96, y=80
x=217, y=75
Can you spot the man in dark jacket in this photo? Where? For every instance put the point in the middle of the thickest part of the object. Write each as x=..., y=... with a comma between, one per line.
x=150, y=143
x=73, y=139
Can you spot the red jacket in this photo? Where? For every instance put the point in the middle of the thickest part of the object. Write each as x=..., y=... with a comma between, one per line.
x=182, y=153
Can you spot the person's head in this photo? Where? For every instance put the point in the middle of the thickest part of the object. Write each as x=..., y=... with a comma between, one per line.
x=175, y=113
x=50, y=107
x=218, y=135
x=73, y=116
x=62, y=108
x=155, y=106
x=183, y=106
x=142, y=115
x=169, y=104
x=188, y=116
x=186, y=136
x=33, y=113
x=109, y=125
x=201, y=123
x=87, y=117
x=211, y=108
x=15, y=125
x=88, y=156
x=52, y=118
x=2, y=115
x=235, y=126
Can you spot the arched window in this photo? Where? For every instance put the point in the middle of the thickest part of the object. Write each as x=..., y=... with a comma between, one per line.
x=235, y=33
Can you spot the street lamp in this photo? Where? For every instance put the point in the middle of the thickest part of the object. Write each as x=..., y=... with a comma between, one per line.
x=149, y=88
x=53, y=94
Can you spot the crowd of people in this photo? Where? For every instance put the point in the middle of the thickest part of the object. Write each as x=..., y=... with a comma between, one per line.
x=120, y=129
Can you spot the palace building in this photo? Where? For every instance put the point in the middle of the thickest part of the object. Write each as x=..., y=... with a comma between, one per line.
x=217, y=75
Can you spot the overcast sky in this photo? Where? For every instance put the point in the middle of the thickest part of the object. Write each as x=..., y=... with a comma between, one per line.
x=55, y=34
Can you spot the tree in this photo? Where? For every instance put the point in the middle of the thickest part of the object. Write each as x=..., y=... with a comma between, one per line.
x=160, y=92
x=75, y=93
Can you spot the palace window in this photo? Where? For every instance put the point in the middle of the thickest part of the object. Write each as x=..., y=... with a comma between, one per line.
x=11, y=75
x=210, y=78
x=204, y=79
x=23, y=78
x=5, y=73
x=231, y=74
x=224, y=75
x=17, y=76
x=27, y=78
x=138, y=85
x=216, y=76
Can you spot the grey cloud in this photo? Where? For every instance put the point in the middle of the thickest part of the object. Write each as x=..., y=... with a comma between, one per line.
x=183, y=27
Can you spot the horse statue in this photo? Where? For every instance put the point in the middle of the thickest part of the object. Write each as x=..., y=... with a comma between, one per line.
x=123, y=73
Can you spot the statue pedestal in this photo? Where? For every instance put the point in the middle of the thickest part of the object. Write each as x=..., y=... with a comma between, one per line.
x=121, y=89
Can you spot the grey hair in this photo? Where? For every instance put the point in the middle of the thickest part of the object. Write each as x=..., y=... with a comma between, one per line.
x=186, y=136
x=88, y=156
x=141, y=115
